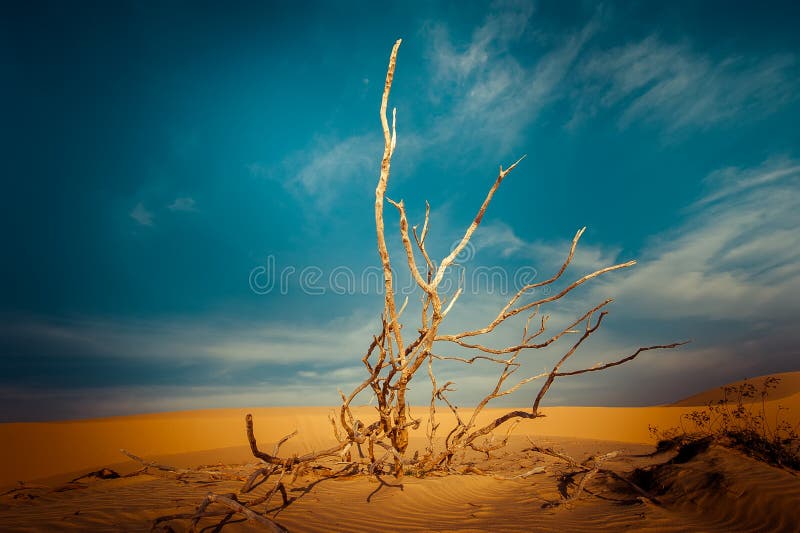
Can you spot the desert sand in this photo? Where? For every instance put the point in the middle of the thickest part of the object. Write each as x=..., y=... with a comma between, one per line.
x=718, y=490
x=788, y=386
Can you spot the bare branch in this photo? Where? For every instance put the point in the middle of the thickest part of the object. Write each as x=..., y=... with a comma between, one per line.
x=552, y=376
x=447, y=261
x=262, y=473
x=286, y=463
x=499, y=421
x=151, y=464
x=507, y=311
x=525, y=345
x=279, y=486
x=603, y=366
x=412, y=263
x=472, y=359
x=281, y=442
x=380, y=192
x=237, y=507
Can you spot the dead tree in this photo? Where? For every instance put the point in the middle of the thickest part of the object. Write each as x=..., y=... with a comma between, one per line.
x=392, y=360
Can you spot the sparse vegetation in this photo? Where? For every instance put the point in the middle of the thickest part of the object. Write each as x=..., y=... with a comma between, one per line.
x=738, y=420
x=394, y=358
x=396, y=355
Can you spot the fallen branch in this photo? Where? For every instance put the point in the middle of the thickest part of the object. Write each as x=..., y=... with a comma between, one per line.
x=533, y=471
x=152, y=464
x=230, y=502
x=590, y=472
x=25, y=486
x=103, y=473
x=291, y=461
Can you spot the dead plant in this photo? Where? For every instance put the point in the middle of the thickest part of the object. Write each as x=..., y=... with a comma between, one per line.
x=394, y=357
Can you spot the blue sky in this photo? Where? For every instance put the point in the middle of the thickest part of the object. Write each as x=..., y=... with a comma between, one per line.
x=158, y=158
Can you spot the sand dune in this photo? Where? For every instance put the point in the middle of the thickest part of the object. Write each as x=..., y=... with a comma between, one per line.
x=732, y=492
x=789, y=385
x=719, y=490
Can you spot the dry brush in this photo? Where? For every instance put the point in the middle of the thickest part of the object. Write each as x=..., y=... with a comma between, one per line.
x=393, y=358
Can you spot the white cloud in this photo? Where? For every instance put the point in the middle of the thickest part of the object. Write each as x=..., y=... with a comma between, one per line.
x=141, y=215
x=489, y=87
x=336, y=375
x=485, y=94
x=671, y=84
x=728, y=277
x=490, y=98
x=219, y=364
x=333, y=166
x=732, y=180
x=196, y=340
x=506, y=24
x=183, y=204
x=736, y=256
x=500, y=237
x=93, y=402
x=651, y=80
x=735, y=259
x=497, y=236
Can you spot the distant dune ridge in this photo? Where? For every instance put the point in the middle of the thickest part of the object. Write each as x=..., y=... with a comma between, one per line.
x=789, y=385
x=718, y=490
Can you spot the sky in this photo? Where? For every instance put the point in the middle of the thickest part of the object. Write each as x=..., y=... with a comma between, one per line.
x=188, y=193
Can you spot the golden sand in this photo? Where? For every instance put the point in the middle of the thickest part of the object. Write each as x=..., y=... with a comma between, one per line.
x=722, y=491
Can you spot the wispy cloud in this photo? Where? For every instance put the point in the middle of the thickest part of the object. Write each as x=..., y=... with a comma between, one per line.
x=185, y=203
x=505, y=25
x=730, y=181
x=727, y=277
x=333, y=166
x=486, y=84
x=36, y=404
x=165, y=364
x=736, y=258
x=652, y=81
x=141, y=215
x=674, y=86
x=480, y=82
x=497, y=237
x=198, y=339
